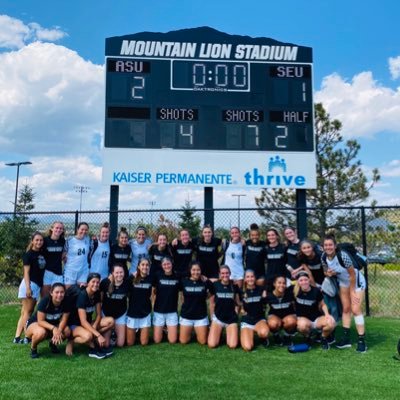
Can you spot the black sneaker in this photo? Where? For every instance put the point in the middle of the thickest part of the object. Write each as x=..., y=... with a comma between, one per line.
x=34, y=353
x=331, y=339
x=108, y=351
x=17, y=340
x=317, y=337
x=278, y=339
x=54, y=349
x=287, y=340
x=93, y=353
x=325, y=344
x=344, y=343
x=361, y=346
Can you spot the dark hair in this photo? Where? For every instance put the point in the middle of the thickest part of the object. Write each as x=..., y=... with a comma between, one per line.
x=330, y=237
x=56, y=284
x=166, y=258
x=276, y=233
x=300, y=255
x=93, y=275
x=82, y=223
x=254, y=227
x=111, y=285
x=192, y=264
x=276, y=277
x=122, y=231
x=141, y=228
x=105, y=225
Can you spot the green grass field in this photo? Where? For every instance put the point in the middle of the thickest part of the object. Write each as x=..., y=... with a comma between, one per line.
x=194, y=372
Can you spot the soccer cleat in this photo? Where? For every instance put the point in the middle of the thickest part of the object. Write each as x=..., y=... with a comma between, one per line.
x=25, y=341
x=93, y=353
x=331, y=339
x=108, y=351
x=325, y=344
x=344, y=343
x=54, y=349
x=287, y=340
x=361, y=346
x=278, y=339
x=17, y=340
x=34, y=353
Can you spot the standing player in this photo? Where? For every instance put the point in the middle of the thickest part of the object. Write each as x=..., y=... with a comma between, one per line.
x=100, y=252
x=233, y=256
x=140, y=248
x=292, y=249
x=351, y=290
x=281, y=314
x=310, y=261
x=29, y=289
x=139, y=309
x=54, y=244
x=253, y=312
x=49, y=321
x=183, y=252
x=120, y=252
x=75, y=256
x=208, y=251
x=84, y=330
x=157, y=252
x=276, y=257
x=114, y=296
x=166, y=292
x=195, y=293
x=312, y=313
x=223, y=308
x=255, y=254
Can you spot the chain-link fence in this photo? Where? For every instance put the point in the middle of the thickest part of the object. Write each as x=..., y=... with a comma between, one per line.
x=375, y=231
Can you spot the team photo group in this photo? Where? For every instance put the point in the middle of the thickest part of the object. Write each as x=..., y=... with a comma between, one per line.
x=235, y=292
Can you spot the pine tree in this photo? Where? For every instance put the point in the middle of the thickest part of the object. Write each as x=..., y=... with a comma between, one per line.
x=189, y=220
x=340, y=182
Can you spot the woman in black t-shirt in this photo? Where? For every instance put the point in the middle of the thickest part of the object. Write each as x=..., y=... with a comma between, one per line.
x=166, y=293
x=310, y=261
x=95, y=333
x=139, y=309
x=157, y=252
x=114, y=295
x=292, y=249
x=223, y=309
x=208, y=253
x=49, y=321
x=276, y=257
x=195, y=292
x=312, y=312
x=29, y=290
x=53, y=247
x=182, y=251
x=253, y=312
x=120, y=252
x=255, y=254
x=281, y=314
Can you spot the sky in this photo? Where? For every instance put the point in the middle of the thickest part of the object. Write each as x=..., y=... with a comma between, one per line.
x=52, y=86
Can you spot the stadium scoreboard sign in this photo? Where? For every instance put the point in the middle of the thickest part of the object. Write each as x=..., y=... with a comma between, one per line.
x=198, y=107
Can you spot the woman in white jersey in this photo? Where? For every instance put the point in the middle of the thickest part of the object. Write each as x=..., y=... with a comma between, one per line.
x=140, y=248
x=351, y=290
x=100, y=252
x=234, y=256
x=76, y=250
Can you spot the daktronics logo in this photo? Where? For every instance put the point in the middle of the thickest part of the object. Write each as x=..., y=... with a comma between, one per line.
x=272, y=177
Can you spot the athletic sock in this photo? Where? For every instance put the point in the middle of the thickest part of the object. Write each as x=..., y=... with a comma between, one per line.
x=346, y=332
x=361, y=338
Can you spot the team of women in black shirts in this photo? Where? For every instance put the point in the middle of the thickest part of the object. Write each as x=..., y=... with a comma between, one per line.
x=249, y=288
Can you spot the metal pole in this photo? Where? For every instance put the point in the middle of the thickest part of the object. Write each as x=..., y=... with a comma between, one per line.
x=364, y=245
x=17, y=164
x=238, y=198
x=209, y=206
x=301, y=204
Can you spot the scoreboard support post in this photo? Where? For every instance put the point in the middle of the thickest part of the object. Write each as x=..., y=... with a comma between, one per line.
x=301, y=203
x=208, y=206
x=113, y=216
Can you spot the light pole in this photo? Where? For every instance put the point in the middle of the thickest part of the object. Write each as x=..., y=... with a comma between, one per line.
x=238, y=197
x=152, y=204
x=17, y=164
x=81, y=189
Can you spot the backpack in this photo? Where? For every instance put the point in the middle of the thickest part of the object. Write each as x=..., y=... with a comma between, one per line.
x=359, y=261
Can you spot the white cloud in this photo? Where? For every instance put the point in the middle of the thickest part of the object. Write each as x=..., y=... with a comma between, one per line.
x=51, y=101
x=14, y=34
x=364, y=106
x=391, y=169
x=394, y=67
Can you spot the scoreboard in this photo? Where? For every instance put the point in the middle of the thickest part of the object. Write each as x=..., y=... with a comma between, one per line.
x=196, y=107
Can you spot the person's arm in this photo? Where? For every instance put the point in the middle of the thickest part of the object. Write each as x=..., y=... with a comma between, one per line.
x=86, y=325
x=212, y=304
x=27, y=279
x=153, y=296
x=96, y=322
x=323, y=307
